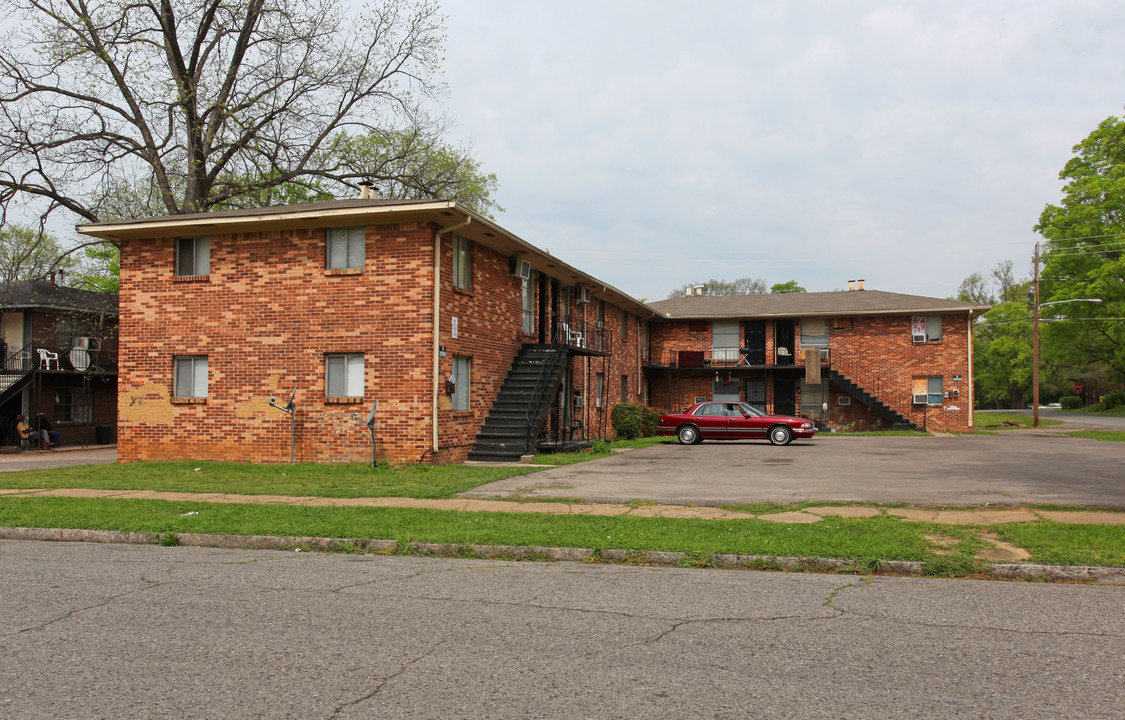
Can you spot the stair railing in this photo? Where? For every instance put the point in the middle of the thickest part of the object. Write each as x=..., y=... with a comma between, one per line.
x=550, y=368
x=19, y=361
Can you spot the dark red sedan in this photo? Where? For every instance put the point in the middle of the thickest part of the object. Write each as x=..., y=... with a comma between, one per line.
x=732, y=421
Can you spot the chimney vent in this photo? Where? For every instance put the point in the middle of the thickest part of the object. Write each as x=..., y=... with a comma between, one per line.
x=851, y=284
x=367, y=190
x=860, y=284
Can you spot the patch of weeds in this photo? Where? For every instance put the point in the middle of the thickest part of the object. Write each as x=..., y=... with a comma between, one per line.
x=565, y=500
x=951, y=566
x=697, y=560
x=764, y=563
x=594, y=558
x=348, y=547
x=762, y=508
x=635, y=503
x=601, y=447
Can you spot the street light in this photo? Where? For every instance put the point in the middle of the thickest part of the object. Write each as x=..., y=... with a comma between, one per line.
x=1035, y=339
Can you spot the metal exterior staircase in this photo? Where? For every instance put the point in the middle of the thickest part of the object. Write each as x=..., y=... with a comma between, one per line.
x=522, y=404
x=896, y=420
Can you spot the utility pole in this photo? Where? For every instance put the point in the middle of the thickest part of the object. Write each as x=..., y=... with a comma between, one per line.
x=1035, y=347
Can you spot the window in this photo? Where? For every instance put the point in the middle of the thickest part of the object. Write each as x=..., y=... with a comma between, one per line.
x=190, y=376
x=346, y=248
x=724, y=341
x=925, y=328
x=814, y=333
x=193, y=256
x=599, y=389
x=698, y=326
x=624, y=388
x=462, y=378
x=600, y=314
x=344, y=375
x=642, y=328
x=931, y=387
x=462, y=262
x=66, y=330
x=624, y=325
x=528, y=306
x=72, y=405
x=564, y=308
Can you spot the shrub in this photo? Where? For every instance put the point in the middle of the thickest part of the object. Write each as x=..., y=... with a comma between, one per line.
x=1113, y=399
x=626, y=420
x=1070, y=402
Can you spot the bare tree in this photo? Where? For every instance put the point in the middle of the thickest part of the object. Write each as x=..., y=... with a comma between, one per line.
x=741, y=286
x=119, y=108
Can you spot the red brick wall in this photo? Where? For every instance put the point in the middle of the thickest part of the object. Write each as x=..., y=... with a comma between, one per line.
x=265, y=317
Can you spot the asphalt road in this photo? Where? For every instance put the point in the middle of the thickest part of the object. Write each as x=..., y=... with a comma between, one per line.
x=113, y=631
x=1010, y=468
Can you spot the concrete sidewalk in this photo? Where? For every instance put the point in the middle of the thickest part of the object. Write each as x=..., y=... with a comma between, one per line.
x=990, y=516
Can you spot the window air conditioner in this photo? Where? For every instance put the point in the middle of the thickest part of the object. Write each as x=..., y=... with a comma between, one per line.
x=521, y=269
x=82, y=342
x=583, y=295
x=844, y=400
x=919, y=338
x=922, y=399
x=824, y=354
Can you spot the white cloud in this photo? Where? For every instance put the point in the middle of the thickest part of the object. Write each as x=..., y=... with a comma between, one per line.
x=657, y=143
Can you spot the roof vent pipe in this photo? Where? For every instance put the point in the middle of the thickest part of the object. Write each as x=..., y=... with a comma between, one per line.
x=367, y=190
x=860, y=284
x=851, y=284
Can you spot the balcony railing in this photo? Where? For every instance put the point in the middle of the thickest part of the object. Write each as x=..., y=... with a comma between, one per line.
x=728, y=357
x=29, y=358
x=580, y=335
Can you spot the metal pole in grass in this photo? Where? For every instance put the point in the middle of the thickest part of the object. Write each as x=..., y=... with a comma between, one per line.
x=290, y=408
x=370, y=423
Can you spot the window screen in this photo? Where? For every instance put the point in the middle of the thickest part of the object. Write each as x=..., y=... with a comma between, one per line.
x=346, y=248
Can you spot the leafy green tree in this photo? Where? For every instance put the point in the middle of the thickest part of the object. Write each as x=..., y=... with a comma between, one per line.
x=101, y=270
x=1083, y=256
x=1002, y=356
x=786, y=287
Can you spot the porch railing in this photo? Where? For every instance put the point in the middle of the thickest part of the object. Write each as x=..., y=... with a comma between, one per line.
x=582, y=335
x=727, y=357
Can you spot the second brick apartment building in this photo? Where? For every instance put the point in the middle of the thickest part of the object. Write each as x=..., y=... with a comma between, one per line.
x=474, y=342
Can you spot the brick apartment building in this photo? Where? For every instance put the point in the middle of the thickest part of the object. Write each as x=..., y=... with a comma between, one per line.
x=422, y=306
x=473, y=342
x=59, y=360
x=860, y=358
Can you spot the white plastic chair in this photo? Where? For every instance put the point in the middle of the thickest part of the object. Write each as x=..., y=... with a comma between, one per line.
x=46, y=357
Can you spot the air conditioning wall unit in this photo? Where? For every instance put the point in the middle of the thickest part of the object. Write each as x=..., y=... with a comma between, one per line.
x=583, y=295
x=844, y=400
x=919, y=337
x=520, y=268
x=922, y=399
x=82, y=342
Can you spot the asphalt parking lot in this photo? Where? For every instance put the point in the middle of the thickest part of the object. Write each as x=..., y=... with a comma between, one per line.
x=1010, y=468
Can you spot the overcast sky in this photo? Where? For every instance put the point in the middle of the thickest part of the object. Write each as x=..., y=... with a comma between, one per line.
x=655, y=144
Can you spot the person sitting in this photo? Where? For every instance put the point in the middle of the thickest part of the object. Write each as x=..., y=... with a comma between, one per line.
x=50, y=434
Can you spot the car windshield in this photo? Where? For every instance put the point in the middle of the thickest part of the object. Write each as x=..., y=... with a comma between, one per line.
x=751, y=410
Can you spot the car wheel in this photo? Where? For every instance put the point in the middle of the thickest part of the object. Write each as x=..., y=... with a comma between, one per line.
x=688, y=435
x=780, y=435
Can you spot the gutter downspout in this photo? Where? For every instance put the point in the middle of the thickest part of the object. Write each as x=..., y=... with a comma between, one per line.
x=972, y=382
x=437, y=329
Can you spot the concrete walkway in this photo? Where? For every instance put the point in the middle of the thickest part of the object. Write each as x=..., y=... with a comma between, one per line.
x=806, y=515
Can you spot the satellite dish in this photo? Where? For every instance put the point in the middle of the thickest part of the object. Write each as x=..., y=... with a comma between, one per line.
x=291, y=396
x=79, y=359
x=371, y=415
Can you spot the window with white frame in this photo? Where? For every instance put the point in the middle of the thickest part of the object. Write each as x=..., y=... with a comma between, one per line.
x=925, y=328
x=343, y=375
x=189, y=376
x=193, y=256
x=462, y=383
x=462, y=262
x=346, y=248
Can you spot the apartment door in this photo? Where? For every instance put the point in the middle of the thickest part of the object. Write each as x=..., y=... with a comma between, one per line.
x=756, y=343
x=756, y=391
x=785, y=335
x=784, y=396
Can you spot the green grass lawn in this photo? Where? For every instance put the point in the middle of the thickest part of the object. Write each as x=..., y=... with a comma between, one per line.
x=1111, y=435
x=345, y=480
x=996, y=420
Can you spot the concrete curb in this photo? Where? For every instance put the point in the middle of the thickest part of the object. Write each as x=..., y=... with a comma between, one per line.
x=1001, y=571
